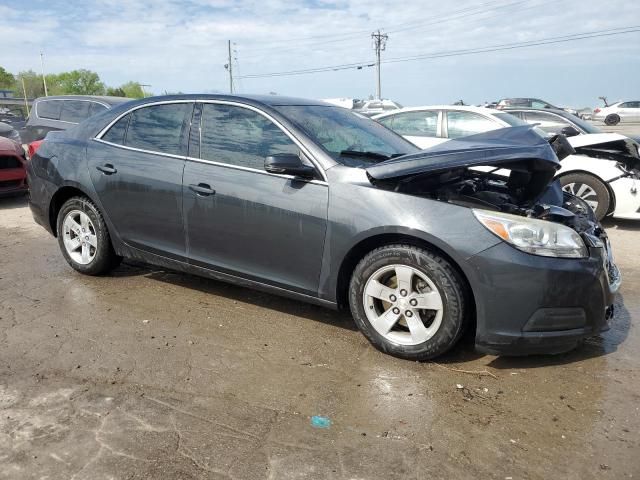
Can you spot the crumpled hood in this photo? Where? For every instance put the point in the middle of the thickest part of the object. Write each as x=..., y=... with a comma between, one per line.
x=502, y=147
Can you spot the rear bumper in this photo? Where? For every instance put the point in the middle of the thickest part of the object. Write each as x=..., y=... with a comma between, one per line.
x=536, y=305
x=40, y=196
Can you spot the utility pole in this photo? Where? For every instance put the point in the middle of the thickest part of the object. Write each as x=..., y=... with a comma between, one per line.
x=44, y=80
x=379, y=45
x=229, y=66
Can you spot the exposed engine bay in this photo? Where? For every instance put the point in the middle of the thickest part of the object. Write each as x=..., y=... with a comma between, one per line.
x=480, y=187
x=523, y=187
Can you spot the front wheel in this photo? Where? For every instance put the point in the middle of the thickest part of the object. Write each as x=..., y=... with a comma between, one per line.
x=84, y=239
x=408, y=302
x=590, y=189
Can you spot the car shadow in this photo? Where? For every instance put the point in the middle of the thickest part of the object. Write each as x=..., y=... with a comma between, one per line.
x=617, y=223
x=10, y=202
x=237, y=293
x=463, y=352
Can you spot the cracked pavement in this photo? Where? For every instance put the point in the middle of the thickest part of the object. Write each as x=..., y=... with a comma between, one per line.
x=148, y=373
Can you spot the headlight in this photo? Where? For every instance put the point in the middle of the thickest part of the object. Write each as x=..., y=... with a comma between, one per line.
x=530, y=235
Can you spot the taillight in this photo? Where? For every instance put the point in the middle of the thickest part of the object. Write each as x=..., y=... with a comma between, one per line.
x=33, y=147
x=597, y=110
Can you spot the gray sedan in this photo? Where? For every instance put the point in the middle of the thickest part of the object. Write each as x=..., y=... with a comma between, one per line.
x=308, y=200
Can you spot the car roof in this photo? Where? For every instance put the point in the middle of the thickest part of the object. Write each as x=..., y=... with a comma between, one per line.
x=464, y=108
x=270, y=100
x=531, y=109
x=100, y=98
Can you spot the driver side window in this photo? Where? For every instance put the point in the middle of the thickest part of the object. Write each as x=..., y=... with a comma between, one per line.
x=241, y=137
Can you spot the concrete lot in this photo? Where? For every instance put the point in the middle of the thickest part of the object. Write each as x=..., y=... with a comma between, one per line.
x=153, y=374
x=632, y=129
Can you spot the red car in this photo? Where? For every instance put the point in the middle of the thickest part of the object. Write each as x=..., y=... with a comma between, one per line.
x=13, y=168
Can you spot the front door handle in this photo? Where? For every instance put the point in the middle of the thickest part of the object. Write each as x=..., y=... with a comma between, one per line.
x=107, y=169
x=202, y=189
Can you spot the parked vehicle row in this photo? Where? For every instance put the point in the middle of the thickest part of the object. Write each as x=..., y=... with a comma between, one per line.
x=313, y=201
x=62, y=112
x=604, y=169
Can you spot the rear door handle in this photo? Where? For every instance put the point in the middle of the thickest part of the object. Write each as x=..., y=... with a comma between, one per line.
x=107, y=169
x=202, y=189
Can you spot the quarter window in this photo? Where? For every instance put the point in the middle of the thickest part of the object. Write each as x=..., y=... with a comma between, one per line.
x=74, y=111
x=49, y=109
x=159, y=128
x=239, y=136
x=117, y=132
x=416, y=124
x=462, y=124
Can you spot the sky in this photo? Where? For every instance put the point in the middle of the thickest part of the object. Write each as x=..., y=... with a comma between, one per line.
x=181, y=45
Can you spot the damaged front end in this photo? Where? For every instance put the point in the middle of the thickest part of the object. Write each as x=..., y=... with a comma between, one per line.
x=507, y=178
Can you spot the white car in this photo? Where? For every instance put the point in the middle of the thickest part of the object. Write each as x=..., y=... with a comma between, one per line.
x=604, y=171
x=618, y=112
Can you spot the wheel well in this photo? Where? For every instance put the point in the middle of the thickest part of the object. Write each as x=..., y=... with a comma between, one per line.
x=612, y=195
x=361, y=249
x=58, y=199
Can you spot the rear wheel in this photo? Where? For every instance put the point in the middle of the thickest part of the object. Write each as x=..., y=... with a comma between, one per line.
x=408, y=302
x=590, y=189
x=84, y=239
x=612, y=119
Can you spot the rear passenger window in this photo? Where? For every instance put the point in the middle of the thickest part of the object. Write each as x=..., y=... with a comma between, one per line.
x=239, y=136
x=116, y=133
x=49, y=109
x=417, y=124
x=74, y=111
x=159, y=128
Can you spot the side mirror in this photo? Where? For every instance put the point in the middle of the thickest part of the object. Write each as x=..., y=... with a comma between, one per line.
x=288, y=164
x=569, y=131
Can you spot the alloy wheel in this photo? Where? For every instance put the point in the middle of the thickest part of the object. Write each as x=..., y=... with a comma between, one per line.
x=403, y=304
x=79, y=236
x=583, y=191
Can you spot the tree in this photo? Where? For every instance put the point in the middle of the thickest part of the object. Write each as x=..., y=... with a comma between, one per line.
x=133, y=90
x=116, y=92
x=75, y=82
x=7, y=80
x=32, y=83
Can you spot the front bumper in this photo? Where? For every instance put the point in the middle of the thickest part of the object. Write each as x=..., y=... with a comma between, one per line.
x=13, y=181
x=527, y=304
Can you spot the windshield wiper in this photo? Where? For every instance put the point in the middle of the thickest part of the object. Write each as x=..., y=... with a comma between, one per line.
x=372, y=155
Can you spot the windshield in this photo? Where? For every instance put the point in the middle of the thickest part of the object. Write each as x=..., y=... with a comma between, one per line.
x=586, y=126
x=343, y=133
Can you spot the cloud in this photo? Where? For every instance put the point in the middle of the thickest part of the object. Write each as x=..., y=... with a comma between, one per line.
x=181, y=44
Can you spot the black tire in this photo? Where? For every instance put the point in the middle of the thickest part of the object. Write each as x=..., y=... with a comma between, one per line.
x=573, y=182
x=612, y=119
x=448, y=282
x=105, y=258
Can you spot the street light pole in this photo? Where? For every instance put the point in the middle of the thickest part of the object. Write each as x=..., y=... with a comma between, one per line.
x=44, y=80
x=142, y=85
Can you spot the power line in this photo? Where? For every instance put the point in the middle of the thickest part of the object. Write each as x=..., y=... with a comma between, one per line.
x=356, y=35
x=451, y=53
